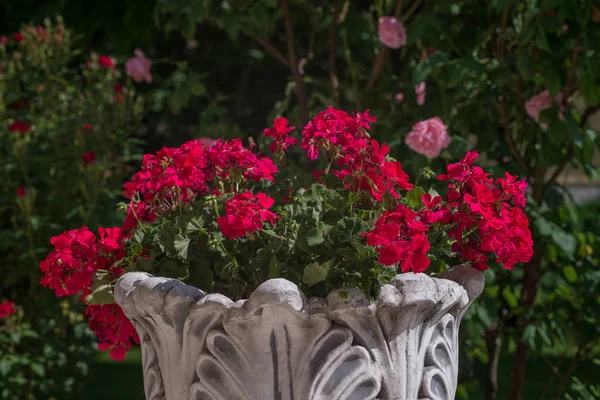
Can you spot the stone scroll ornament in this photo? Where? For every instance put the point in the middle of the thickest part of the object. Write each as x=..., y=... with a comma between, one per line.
x=280, y=345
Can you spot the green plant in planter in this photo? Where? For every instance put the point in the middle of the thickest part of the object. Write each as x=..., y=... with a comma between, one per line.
x=67, y=126
x=219, y=216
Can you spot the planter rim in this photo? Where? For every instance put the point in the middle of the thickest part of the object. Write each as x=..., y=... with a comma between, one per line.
x=137, y=291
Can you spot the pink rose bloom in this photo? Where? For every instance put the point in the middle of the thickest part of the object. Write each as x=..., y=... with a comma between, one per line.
x=391, y=32
x=541, y=101
x=138, y=67
x=420, y=92
x=428, y=137
x=399, y=97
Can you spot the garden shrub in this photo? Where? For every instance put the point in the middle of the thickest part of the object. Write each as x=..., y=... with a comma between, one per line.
x=68, y=126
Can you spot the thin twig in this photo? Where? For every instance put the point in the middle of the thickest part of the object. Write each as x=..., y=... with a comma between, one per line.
x=410, y=11
x=569, y=88
x=293, y=60
x=333, y=51
x=273, y=51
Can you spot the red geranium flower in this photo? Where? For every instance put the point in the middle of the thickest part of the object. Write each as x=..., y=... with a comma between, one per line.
x=245, y=214
x=19, y=126
x=7, y=308
x=106, y=62
x=18, y=37
x=88, y=157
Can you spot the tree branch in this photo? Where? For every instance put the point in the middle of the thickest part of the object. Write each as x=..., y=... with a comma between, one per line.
x=588, y=112
x=332, y=53
x=379, y=60
x=293, y=60
x=268, y=46
x=569, y=88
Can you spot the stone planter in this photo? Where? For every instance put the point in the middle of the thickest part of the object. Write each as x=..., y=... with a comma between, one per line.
x=280, y=345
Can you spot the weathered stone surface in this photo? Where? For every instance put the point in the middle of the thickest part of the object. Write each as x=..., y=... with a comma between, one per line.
x=280, y=345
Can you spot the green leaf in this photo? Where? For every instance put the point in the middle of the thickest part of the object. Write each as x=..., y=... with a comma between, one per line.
x=145, y=264
x=315, y=272
x=570, y=273
x=102, y=294
x=414, y=196
x=565, y=241
x=181, y=245
x=195, y=224
x=510, y=298
x=275, y=268
x=386, y=275
x=317, y=235
x=198, y=88
x=591, y=91
x=38, y=369
x=5, y=367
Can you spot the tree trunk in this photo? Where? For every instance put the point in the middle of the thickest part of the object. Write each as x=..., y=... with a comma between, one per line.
x=493, y=340
x=531, y=283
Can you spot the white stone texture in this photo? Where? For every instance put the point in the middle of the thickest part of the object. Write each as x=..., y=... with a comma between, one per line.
x=280, y=345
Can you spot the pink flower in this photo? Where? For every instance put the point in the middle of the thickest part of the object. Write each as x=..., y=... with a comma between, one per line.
x=420, y=92
x=399, y=97
x=391, y=32
x=428, y=137
x=87, y=127
x=541, y=101
x=7, y=308
x=106, y=62
x=18, y=37
x=564, y=28
x=191, y=44
x=21, y=191
x=138, y=67
x=3, y=39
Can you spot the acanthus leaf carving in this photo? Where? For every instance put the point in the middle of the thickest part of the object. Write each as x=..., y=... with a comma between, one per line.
x=279, y=345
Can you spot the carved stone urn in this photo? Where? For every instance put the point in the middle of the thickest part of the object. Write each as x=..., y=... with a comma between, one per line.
x=280, y=345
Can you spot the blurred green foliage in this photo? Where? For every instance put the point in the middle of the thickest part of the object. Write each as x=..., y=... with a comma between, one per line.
x=67, y=138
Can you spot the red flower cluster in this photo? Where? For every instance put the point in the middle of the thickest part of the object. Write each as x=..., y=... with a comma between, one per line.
x=245, y=214
x=114, y=331
x=175, y=176
x=363, y=161
x=19, y=126
x=400, y=237
x=279, y=132
x=479, y=204
x=68, y=270
x=77, y=254
x=167, y=179
x=230, y=160
x=7, y=308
